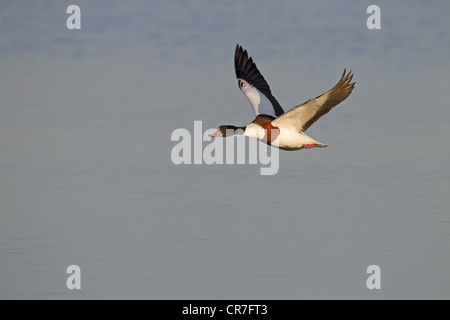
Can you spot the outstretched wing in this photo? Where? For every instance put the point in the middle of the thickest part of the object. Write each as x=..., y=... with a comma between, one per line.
x=303, y=116
x=254, y=86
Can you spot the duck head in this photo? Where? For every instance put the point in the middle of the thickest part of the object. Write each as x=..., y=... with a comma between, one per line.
x=227, y=131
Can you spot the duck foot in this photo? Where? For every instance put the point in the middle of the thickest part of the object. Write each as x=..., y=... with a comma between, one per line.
x=310, y=146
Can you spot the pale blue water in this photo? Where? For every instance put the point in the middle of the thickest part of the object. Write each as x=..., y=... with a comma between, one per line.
x=87, y=178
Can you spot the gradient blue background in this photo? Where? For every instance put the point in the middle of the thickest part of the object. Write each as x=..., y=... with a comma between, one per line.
x=86, y=176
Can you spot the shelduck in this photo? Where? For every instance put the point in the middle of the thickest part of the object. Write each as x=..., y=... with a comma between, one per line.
x=271, y=125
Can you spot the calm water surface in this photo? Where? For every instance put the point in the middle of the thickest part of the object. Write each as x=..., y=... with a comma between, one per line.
x=87, y=177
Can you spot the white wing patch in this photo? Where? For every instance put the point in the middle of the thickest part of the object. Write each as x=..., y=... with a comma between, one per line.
x=260, y=103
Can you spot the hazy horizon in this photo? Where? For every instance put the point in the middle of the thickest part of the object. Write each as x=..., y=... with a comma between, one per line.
x=86, y=170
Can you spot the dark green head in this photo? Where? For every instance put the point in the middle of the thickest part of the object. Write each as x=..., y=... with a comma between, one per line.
x=227, y=131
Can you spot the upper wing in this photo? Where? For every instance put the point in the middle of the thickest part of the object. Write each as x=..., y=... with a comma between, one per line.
x=254, y=86
x=303, y=116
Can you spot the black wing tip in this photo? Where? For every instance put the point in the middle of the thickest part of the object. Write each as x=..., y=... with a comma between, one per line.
x=246, y=69
x=240, y=60
x=347, y=77
x=345, y=85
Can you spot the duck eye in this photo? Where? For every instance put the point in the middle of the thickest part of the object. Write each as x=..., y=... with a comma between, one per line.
x=241, y=84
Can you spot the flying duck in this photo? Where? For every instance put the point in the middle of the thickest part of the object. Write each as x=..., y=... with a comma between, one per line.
x=271, y=125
